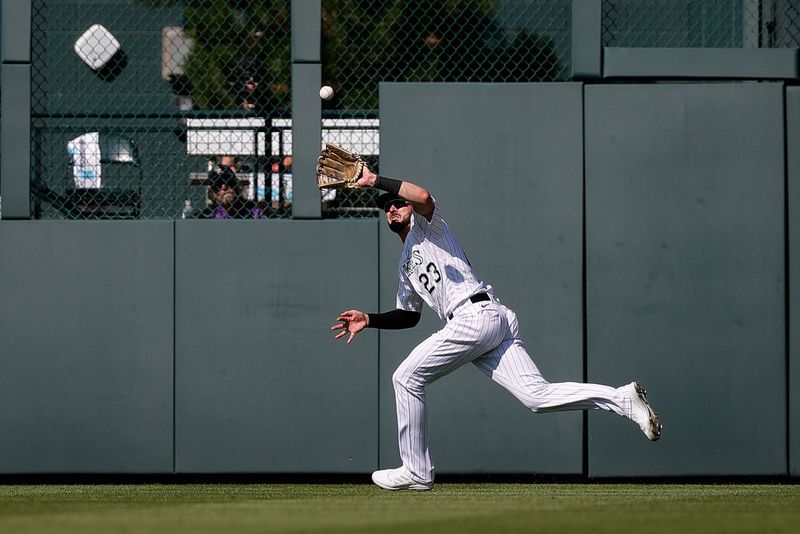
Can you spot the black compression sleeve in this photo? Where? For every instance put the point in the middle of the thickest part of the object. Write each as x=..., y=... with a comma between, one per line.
x=390, y=185
x=394, y=320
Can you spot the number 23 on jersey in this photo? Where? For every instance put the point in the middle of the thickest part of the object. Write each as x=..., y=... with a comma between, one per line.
x=430, y=277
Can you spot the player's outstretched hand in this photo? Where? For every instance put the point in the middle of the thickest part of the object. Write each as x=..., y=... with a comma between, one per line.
x=353, y=322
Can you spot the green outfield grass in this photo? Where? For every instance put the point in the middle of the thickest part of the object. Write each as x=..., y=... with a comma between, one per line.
x=646, y=508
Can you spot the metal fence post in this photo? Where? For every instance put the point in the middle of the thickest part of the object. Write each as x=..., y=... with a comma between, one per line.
x=15, y=118
x=306, y=106
x=587, y=47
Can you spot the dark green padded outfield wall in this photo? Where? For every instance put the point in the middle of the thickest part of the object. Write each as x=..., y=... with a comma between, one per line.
x=121, y=352
x=685, y=273
x=505, y=163
x=639, y=231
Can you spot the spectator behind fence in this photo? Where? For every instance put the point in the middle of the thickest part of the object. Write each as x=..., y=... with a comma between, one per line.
x=224, y=197
x=281, y=183
x=230, y=161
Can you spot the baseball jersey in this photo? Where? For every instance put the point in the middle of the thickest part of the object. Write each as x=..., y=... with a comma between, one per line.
x=434, y=268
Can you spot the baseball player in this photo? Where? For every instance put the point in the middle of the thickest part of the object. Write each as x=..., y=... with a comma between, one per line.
x=478, y=329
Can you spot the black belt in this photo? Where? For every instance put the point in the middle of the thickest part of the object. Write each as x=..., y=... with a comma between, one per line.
x=477, y=297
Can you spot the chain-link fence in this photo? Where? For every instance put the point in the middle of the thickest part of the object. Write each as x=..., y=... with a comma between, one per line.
x=163, y=109
x=173, y=108
x=701, y=23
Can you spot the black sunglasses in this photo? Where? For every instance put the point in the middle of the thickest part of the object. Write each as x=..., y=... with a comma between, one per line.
x=397, y=203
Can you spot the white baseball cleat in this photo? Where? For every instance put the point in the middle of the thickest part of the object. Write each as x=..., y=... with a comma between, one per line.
x=398, y=479
x=642, y=414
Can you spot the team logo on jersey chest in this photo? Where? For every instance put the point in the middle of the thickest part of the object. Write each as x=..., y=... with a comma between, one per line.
x=413, y=261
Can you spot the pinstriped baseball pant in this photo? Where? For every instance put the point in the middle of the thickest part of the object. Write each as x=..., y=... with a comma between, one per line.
x=486, y=334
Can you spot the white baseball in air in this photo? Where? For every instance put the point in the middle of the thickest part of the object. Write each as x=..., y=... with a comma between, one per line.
x=326, y=92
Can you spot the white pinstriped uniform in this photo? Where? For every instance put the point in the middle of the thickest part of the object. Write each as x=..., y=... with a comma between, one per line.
x=433, y=268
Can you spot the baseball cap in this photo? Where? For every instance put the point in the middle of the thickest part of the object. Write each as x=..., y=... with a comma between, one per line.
x=384, y=199
x=222, y=175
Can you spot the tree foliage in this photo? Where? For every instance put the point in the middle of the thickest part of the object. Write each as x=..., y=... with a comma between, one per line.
x=364, y=42
x=367, y=41
x=240, y=56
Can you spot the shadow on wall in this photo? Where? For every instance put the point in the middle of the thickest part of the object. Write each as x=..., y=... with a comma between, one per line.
x=114, y=67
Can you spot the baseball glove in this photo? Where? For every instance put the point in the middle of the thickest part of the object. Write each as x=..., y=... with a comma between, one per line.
x=336, y=168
